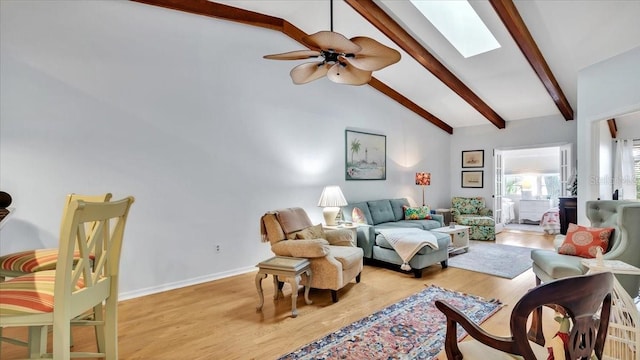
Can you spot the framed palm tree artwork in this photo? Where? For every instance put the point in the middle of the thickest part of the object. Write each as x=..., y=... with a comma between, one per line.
x=365, y=156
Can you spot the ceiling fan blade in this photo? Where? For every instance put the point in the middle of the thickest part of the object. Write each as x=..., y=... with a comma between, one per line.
x=294, y=55
x=349, y=75
x=373, y=56
x=326, y=40
x=308, y=72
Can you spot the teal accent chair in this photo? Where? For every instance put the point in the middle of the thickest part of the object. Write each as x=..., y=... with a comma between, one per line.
x=624, y=245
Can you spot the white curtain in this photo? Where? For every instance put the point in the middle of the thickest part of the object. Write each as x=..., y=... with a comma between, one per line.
x=624, y=177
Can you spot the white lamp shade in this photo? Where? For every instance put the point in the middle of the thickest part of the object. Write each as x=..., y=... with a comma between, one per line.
x=332, y=197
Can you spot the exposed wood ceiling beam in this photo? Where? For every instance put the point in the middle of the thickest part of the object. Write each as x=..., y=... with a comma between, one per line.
x=511, y=18
x=226, y=12
x=383, y=22
x=613, y=128
x=383, y=88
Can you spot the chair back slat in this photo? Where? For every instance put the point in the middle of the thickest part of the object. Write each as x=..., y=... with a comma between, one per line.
x=102, y=238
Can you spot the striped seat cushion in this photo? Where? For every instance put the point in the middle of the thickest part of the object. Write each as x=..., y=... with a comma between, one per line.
x=29, y=294
x=32, y=260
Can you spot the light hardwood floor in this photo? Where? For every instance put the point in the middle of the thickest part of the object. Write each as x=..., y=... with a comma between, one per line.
x=218, y=320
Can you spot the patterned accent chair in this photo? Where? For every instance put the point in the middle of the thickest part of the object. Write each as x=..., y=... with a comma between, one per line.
x=472, y=212
x=335, y=260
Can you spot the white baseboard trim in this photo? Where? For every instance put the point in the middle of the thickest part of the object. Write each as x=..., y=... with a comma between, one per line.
x=184, y=283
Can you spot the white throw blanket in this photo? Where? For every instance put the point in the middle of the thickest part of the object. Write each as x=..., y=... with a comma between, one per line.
x=407, y=242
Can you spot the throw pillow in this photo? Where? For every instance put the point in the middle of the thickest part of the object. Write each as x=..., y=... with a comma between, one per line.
x=312, y=232
x=417, y=213
x=584, y=241
x=357, y=216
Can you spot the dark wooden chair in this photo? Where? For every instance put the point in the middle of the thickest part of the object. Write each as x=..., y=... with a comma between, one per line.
x=585, y=299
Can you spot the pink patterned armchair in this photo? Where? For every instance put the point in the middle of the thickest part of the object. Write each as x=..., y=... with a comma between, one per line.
x=472, y=212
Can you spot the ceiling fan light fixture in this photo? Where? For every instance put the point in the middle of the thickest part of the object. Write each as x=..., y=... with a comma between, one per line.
x=344, y=61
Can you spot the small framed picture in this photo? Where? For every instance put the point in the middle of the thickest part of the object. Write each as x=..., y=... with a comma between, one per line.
x=473, y=159
x=472, y=179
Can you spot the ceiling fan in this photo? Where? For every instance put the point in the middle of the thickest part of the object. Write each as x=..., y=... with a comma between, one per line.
x=343, y=61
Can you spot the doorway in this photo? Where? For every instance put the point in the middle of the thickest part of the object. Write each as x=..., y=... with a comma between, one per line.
x=528, y=182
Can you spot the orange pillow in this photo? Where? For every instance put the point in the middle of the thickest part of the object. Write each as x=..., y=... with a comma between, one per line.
x=583, y=241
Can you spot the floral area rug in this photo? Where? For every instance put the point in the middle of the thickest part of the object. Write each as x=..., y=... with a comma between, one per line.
x=410, y=329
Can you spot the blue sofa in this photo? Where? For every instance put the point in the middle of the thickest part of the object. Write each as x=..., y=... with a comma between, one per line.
x=388, y=214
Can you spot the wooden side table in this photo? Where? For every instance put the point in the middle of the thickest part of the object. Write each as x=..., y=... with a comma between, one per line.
x=623, y=337
x=353, y=228
x=459, y=237
x=289, y=268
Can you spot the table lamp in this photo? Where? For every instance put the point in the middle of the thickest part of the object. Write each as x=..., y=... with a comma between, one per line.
x=423, y=179
x=331, y=199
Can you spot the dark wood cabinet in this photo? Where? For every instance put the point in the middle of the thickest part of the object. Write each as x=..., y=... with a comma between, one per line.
x=568, y=212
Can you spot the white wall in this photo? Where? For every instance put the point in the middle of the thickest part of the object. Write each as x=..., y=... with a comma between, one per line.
x=552, y=130
x=605, y=90
x=629, y=126
x=182, y=112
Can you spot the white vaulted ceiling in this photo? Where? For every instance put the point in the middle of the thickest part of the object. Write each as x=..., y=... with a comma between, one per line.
x=571, y=35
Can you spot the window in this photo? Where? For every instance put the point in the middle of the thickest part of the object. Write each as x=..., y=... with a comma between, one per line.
x=459, y=23
x=533, y=186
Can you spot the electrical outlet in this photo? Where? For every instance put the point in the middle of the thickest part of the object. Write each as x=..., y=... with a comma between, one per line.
x=217, y=249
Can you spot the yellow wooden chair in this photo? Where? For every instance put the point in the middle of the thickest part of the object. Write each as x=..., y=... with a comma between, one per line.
x=58, y=297
x=30, y=261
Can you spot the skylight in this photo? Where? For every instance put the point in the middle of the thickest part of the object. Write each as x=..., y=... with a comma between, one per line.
x=459, y=24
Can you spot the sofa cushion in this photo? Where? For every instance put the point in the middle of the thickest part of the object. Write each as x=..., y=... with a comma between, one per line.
x=426, y=224
x=397, y=205
x=348, y=256
x=583, y=241
x=381, y=211
x=399, y=224
x=471, y=220
x=443, y=243
x=557, y=265
x=340, y=237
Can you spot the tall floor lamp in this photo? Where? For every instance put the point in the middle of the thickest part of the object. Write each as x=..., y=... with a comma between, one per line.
x=423, y=179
